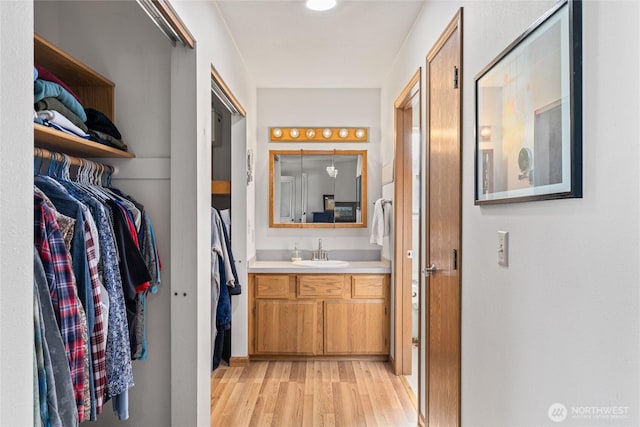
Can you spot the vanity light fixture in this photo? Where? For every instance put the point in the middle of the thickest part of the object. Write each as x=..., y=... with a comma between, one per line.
x=318, y=134
x=320, y=5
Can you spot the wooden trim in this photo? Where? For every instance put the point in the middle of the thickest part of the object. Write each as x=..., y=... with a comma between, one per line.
x=299, y=357
x=172, y=18
x=410, y=391
x=363, y=197
x=55, y=140
x=238, y=362
x=215, y=76
x=455, y=23
x=409, y=90
x=402, y=225
x=220, y=187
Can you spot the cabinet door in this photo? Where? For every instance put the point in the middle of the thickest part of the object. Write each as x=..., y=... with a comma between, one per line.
x=288, y=327
x=356, y=327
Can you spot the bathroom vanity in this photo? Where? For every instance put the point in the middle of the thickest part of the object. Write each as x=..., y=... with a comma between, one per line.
x=303, y=311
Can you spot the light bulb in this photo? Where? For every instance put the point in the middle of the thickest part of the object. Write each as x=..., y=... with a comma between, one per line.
x=294, y=133
x=360, y=133
x=343, y=133
x=311, y=133
x=277, y=132
x=320, y=5
x=326, y=133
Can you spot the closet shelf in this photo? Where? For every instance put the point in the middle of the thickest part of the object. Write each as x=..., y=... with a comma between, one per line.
x=220, y=187
x=95, y=90
x=61, y=142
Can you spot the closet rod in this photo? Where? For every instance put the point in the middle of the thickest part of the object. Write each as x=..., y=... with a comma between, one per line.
x=43, y=153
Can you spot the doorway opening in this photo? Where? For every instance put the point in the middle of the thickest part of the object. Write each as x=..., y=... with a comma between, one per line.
x=407, y=214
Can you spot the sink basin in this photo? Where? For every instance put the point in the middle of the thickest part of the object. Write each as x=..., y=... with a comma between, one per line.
x=321, y=263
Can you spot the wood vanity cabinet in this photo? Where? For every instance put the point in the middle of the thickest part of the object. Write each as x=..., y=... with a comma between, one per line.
x=317, y=315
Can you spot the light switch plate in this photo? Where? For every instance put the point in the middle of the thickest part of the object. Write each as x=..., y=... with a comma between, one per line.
x=503, y=248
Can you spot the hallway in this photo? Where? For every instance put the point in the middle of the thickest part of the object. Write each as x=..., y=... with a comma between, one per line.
x=313, y=393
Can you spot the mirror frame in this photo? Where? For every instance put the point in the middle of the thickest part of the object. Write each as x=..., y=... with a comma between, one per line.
x=363, y=192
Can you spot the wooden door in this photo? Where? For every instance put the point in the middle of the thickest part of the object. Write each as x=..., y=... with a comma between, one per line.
x=356, y=327
x=443, y=228
x=286, y=327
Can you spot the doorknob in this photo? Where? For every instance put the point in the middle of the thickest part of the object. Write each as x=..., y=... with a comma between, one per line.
x=429, y=270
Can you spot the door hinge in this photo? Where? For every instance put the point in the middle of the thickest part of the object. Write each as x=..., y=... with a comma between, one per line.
x=455, y=77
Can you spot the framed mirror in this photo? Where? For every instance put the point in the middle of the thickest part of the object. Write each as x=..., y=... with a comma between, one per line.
x=317, y=188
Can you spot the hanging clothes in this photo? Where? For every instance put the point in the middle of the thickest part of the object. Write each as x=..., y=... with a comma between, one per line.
x=224, y=281
x=97, y=253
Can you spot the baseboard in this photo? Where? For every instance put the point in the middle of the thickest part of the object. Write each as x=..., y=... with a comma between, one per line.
x=238, y=362
x=410, y=391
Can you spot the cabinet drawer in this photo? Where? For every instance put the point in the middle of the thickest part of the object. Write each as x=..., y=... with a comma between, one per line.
x=272, y=286
x=368, y=286
x=321, y=286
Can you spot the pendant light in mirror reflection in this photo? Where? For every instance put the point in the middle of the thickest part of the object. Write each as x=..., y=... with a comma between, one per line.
x=320, y=5
x=331, y=170
x=319, y=134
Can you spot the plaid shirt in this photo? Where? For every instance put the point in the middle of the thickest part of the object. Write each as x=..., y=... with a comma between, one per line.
x=62, y=287
x=98, y=335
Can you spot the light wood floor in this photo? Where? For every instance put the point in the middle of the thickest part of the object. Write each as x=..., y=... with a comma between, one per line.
x=310, y=394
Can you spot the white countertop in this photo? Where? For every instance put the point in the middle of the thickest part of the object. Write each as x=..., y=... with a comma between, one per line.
x=374, y=267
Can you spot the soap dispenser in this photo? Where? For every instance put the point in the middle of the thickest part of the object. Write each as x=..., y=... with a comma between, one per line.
x=295, y=255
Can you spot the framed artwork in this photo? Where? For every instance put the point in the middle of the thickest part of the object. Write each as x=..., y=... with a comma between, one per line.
x=345, y=212
x=528, y=110
x=328, y=202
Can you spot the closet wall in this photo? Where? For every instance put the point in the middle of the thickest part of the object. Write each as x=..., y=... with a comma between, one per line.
x=316, y=108
x=561, y=323
x=16, y=213
x=118, y=40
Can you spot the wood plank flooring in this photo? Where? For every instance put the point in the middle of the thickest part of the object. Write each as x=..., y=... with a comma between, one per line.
x=310, y=394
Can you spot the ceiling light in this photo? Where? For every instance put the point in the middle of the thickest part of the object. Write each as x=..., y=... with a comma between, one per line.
x=320, y=5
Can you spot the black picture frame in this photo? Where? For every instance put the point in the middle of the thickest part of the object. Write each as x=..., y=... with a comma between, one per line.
x=528, y=114
x=345, y=212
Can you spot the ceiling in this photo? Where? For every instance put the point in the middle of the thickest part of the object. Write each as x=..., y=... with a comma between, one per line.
x=352, y=45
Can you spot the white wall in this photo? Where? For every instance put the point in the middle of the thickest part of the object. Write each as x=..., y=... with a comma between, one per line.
x=16, y=213
x=315, y=108
x=561, y=323
x=191, y=395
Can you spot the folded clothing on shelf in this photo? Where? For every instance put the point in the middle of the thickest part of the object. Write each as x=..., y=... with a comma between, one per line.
x=98, y=121
x=44, y=89
x=54, y=104
x=44, y=74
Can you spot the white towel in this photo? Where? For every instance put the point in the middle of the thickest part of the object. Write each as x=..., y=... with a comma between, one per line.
x=378, y=224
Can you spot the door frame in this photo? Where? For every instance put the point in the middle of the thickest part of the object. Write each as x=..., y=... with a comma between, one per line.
x=402, y=212
x=456, y=23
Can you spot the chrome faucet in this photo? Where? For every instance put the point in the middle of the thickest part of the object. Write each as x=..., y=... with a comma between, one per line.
x=320, y=254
